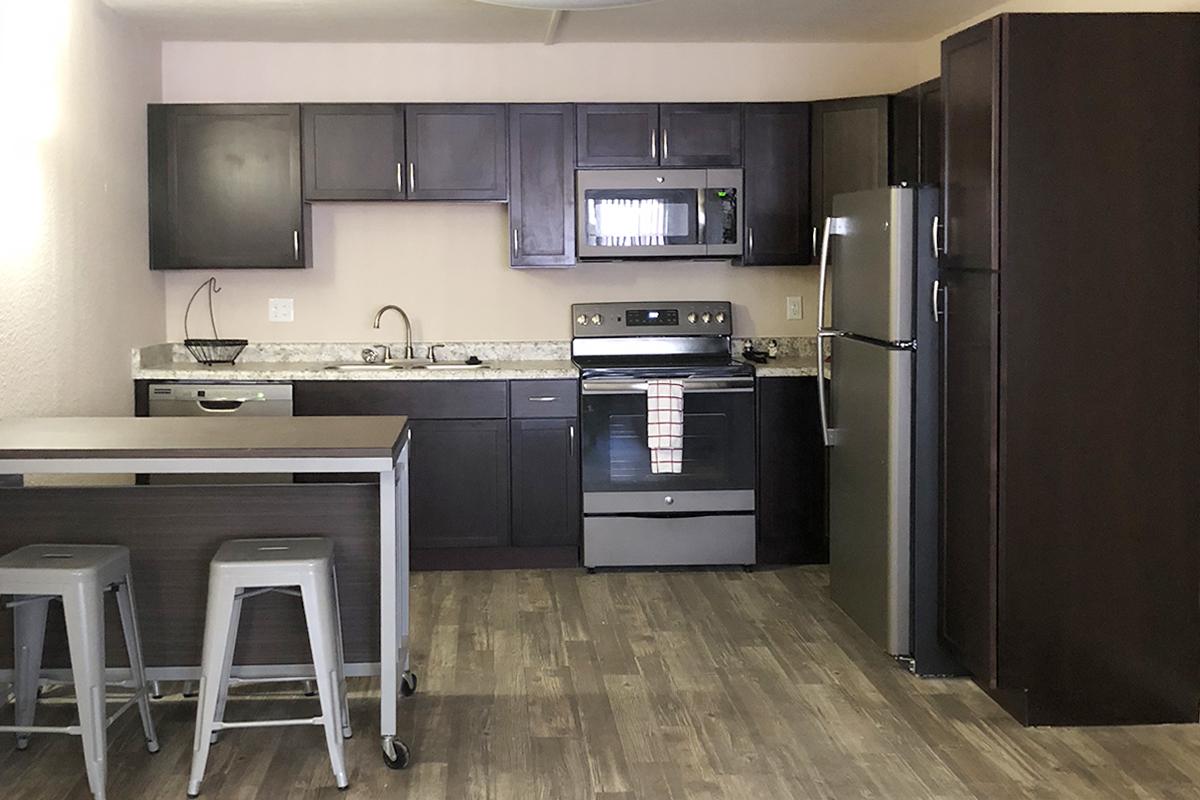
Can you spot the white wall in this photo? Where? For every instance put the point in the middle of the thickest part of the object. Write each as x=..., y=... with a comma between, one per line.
x=447, y=264
x=75, y=290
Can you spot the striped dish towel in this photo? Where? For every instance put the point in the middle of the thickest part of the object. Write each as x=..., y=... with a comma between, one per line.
x=664, y=425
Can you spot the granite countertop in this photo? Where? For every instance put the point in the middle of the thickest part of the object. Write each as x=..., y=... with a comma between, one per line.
x=531, y=360
x=796, y=366
x=318, y=371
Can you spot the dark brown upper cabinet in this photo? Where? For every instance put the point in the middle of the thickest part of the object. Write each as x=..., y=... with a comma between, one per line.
x=354, y=152
x=776, y=184
x=617, y=134
x=849, y=151
x=225, y=187
x=930, y=167
x=541, y=206
x=700, y=135
x=917, y=134
x=457, y=152
x=652, y=135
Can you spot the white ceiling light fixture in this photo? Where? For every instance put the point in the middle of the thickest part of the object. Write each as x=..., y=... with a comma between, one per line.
x=566, y=5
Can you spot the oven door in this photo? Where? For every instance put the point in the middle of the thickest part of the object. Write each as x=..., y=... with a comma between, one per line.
x=718, y=449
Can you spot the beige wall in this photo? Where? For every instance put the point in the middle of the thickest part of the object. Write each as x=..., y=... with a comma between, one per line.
x=930, y=55
x=447, y=264
x=75, y=291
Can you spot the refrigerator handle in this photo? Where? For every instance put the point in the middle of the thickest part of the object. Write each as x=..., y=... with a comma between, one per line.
x=828, y=436
x=823, y=275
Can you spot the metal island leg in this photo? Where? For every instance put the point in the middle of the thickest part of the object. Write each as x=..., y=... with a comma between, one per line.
x=393, y=609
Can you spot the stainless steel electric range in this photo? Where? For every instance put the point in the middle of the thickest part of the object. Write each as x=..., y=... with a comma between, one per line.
x=704, y=514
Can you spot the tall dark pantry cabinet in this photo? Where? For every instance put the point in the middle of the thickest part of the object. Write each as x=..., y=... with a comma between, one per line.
x=1070, y=288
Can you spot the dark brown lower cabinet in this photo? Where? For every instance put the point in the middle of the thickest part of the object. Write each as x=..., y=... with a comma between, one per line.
x=792, y=525
x=545, y=482
x=459, y=483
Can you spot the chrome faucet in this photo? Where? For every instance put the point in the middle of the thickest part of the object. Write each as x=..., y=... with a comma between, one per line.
x=408, y=345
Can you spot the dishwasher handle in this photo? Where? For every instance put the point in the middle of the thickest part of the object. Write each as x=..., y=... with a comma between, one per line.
x=221, y=406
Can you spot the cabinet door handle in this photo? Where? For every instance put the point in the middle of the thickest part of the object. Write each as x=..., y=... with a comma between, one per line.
x=517, y=241
x=400, y=177
x=654, y=144
x=937, y=228
x=814, y=238
x=412, y=176
x=934, y=297
x=665, y=156
x=295, y=245
x=543, y=399
x=750, y=241
x=571, y=447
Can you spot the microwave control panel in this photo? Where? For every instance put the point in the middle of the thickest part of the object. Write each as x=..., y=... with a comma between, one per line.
x=714, y=318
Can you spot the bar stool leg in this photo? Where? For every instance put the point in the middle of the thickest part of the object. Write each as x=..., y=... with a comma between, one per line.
x=29, y=635
x=83, y=607
x=235, y=619
x=343, y=694
x=318, y=612
x=218, y=617
x=137, y=665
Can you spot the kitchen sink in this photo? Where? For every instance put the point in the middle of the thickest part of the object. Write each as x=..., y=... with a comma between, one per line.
x=391, y=365
x=364, y=367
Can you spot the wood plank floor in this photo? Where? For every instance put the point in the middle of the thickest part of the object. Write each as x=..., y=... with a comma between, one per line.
x=558, y=685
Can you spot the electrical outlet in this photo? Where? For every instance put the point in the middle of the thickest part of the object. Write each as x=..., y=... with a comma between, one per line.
x=281, y=309
x=795, y=308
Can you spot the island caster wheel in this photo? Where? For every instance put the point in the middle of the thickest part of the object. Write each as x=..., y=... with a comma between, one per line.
x=395, y=753
x=22, y=741
x=408, y=684
x=152, y=746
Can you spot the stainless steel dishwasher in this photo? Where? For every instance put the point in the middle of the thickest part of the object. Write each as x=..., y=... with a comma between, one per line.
x=218, y=400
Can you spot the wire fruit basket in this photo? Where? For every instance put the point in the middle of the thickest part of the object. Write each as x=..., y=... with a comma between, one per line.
x=215, y=350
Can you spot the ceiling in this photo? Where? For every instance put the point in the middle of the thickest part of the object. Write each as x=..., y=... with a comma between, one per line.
x=469, y=21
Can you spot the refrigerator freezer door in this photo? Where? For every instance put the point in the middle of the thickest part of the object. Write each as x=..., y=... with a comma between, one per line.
x=871, y=268
x=870, y=518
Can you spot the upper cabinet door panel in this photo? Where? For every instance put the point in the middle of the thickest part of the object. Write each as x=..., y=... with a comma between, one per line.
x=541, y=205
x=970, y=125
x=849, y=150
x=931, y=132
x=618, y=135
x=906, y=136
x=353, y=152
x=225, y=187
x=457, y=152
x=700, y=135
x=776, y=184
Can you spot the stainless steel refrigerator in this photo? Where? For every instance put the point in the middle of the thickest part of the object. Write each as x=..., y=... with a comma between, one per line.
x=881, y=420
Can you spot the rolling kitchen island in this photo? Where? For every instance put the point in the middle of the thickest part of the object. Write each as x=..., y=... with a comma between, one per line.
x=173, y=531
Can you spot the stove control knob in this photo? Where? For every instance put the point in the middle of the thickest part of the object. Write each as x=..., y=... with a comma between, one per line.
x=720, y=317
x=669, y=500
x=581, y=319
x=692, y=317
x=706, y=317
x=597, y=319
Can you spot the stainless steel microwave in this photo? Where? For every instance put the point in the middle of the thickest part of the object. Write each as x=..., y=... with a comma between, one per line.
x=659, y=213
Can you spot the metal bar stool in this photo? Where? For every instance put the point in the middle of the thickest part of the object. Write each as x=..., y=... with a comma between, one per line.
x=246, y=568
x=78, y=575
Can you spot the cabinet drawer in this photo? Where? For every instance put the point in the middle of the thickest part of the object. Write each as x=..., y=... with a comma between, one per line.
x=416, y=399
x=545, y=399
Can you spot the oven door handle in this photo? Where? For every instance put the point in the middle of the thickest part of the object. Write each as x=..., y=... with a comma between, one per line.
x=690, y=386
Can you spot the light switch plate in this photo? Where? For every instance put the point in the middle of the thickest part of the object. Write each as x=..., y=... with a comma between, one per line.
x=795, y=308
x=281, y=309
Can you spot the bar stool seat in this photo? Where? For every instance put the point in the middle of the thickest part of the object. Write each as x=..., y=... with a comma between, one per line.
x=78, y=575
x=245, y=568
